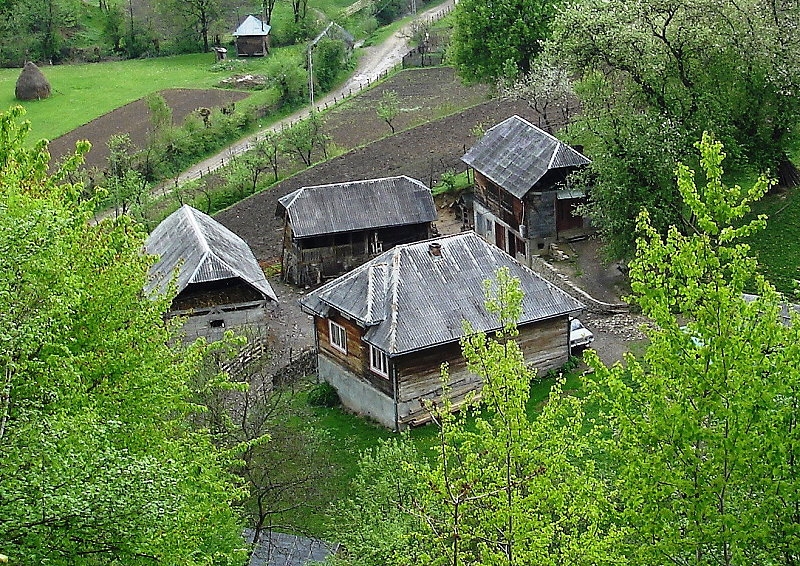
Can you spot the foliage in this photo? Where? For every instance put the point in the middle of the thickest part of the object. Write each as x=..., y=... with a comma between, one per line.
x=290, y=77
x=505, y=490
x=331, y=57
x=655, y=75
x=302, y=138
x=323, y=394
x=99, y=463
x=194, y=16
x=704, y=429
x=388, y=107
x=498, y=39
x=386, y=11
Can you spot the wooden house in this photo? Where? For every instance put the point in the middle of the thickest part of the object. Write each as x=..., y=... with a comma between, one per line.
x=384, y=329
x=523, y=201
x=218, y=281
x=330, y=229
x=252, y=38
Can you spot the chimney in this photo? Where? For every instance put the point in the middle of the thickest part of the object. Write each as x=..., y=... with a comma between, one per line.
x=435, y=249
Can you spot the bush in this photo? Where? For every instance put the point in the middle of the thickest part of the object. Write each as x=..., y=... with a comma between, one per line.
x=323, y=395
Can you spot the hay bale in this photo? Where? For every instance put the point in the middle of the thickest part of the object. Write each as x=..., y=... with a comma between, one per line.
x=32, y=84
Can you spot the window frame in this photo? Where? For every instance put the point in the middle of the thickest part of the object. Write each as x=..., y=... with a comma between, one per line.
x=383, y=358
x=336, y=329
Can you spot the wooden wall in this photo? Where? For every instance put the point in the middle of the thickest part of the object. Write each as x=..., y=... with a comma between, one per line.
x=356, y=361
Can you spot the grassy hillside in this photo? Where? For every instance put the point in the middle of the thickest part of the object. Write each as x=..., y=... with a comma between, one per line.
x=84, y=92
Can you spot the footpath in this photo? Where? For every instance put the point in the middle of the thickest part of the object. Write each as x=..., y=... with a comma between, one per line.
x=374, y=63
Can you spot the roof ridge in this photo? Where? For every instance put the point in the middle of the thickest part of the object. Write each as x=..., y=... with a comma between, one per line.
x=189, y=211
x=394, y=280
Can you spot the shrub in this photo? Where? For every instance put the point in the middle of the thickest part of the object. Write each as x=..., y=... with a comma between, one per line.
x=323, y=395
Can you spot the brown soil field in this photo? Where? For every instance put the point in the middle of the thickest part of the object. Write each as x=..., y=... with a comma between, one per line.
x=134, y=119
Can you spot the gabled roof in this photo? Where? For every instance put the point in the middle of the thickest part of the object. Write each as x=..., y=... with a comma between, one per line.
x=515, y=155
x=358, y=205
x=410, y=299
x=252, y=26
x=200, y=250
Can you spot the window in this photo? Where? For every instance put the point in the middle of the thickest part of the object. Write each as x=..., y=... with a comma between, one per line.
x=378, y=361
x=338, y=336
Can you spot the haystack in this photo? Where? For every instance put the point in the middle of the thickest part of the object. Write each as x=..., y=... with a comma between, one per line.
x=32, y=84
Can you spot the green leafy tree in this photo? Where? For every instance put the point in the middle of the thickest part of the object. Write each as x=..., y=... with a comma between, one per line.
x=654, y=75
x=330, y=58
x=388, y=108
x=100, y=464
x=301, y=139
x=704, y=427
x=498, y=39
x=195, y=17
x=503, y=489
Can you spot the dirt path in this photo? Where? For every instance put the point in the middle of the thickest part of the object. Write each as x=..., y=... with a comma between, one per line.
x=374, y=62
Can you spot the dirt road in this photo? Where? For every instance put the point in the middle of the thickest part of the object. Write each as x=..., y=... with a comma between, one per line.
x=374, y=62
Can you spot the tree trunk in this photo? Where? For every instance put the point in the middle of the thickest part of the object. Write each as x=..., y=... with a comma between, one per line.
x=788, y=174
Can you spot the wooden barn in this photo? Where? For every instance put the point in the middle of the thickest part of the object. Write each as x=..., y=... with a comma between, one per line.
x=219, y=283
x=252, y=38
x=523, y=201
x=384, y=329
x=330, y=229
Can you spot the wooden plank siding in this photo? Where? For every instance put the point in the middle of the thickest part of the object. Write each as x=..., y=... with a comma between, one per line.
x=308, y=261
x=356, y=361
x=498, y=201
x=544, y=344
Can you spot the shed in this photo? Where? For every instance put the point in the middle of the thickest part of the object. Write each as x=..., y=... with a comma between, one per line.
x=252, y=38
x=523, y=199
x=384, y=329
x=218, y=281
x=329, y=229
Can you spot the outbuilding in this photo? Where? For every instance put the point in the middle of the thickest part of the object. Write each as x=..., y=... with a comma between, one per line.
x=218, y=281
x=252, y=38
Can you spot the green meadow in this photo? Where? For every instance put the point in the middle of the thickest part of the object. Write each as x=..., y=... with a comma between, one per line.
x=83, y=92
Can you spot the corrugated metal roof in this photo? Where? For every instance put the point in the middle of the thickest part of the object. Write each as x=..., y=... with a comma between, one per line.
x=252, y=26
x=410, y=299
x=200, y=249
x=515, y=155
x=358, y=205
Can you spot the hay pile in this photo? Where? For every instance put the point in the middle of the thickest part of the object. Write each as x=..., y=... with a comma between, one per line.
x=32, y=84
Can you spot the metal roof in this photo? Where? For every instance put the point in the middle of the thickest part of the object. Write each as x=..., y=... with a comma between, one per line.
x=358, y=205
x=410, y=299
x=281, y=549
x=195, y=248
x=252, y=26
x=515, y=155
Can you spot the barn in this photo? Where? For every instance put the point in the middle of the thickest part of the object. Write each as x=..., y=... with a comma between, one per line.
x=384, y=329
x=330, y=229
x=252, y=38
x=218, y=281
x=523, y=200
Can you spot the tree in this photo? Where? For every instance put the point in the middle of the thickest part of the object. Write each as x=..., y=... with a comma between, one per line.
x=388, y=107
x=500, y=38
x=196, y=16
x=330, y=58
x=302, y=138
x=704, y=428
x=503, y=489
x=99, y=463
x=657, y=74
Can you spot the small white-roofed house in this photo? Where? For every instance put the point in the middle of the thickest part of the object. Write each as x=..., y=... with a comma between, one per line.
x=252, y=38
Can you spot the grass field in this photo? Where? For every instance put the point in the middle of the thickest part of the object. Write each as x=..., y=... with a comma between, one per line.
x=349, y=436
x=84, y=92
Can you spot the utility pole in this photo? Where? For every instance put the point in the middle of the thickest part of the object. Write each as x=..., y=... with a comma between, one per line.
x=311, y=76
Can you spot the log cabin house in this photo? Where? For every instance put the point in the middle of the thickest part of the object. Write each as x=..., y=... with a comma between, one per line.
x=383, y=330
x=252, y=38
x=219, y=283
x=523, y=201
x=330, y=229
